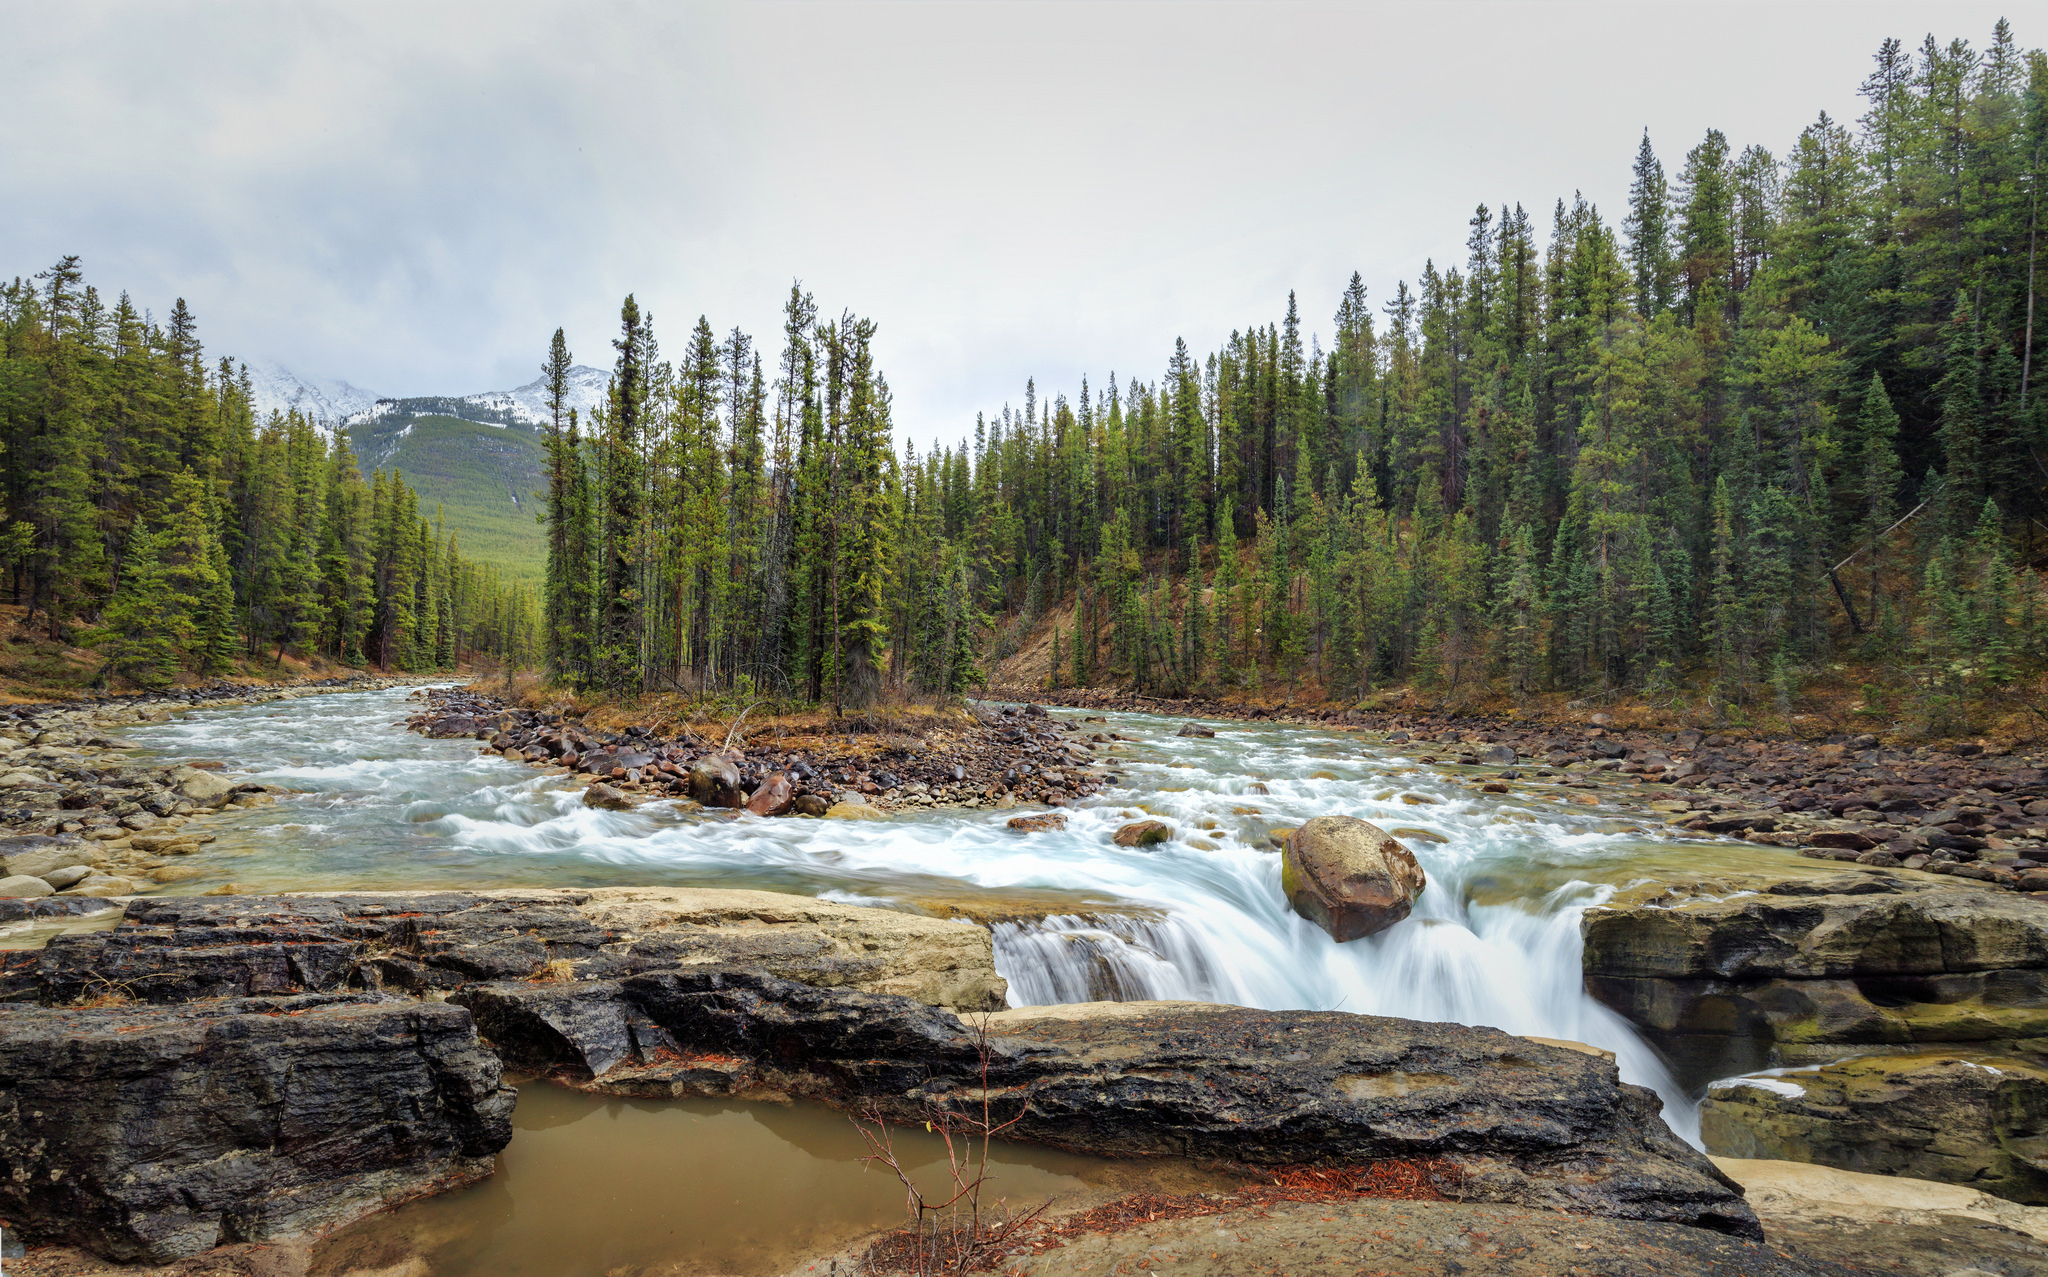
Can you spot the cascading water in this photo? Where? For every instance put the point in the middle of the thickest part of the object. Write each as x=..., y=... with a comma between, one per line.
x=1493, y=941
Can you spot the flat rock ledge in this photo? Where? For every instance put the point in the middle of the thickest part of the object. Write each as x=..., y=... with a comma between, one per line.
x=1527, y=1123
x=219, y=1070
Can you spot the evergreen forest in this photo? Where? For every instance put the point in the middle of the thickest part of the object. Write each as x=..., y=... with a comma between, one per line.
x=146, y=513
x=1780, y=413
x=1776, y=418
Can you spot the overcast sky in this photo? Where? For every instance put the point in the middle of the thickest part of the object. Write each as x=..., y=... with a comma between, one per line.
x=412, y=196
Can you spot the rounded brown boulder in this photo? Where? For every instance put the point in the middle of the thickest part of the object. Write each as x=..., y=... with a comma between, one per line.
x=1349, y=876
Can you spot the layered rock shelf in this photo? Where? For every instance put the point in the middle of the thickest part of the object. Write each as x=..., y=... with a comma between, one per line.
x=1730, y=976
x=365, y=1031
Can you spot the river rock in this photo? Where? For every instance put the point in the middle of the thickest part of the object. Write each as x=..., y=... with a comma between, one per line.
x=811, y=805
x=774, y=796
x=69, y=876
x=1889, y=1224
x=1981, y=1122
x=1526, y=1123
x=101, y=885
x=1795, y=972
x=1142, y=833
x=149, y=1133
x=1348, y=876
x=715, y=781
x=204, y=787
x=602, y=795
x=1038, y=824
x=20, y=885
x=1195, y=729
x=37, y=856
x=852, y=806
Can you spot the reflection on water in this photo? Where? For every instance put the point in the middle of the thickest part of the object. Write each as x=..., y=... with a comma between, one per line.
x=592, y=1187
x=1494, y=940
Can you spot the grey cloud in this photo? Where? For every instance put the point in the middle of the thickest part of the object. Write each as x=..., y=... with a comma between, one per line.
x=412, y=196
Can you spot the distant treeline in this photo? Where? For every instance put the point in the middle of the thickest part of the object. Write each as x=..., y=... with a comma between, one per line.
x=144, y=509
x=1784, y=403
x=1672, y=447
x=702, y=537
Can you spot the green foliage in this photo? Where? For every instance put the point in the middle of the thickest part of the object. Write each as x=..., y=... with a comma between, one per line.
x=141, y=498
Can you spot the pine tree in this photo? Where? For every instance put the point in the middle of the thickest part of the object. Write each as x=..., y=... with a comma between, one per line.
x=1649, y=233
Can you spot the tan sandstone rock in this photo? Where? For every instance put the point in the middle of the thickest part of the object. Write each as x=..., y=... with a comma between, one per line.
x=1348, y=876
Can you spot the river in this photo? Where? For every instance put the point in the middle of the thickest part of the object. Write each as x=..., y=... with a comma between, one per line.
x=1493, y=941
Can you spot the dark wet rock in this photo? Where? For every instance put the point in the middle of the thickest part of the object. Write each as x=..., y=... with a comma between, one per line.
x=774, y=796
x=1981, y=1122
x=1348, y=876
x=1195, y=729
x=1142, y=833
x=1527, y=1123
x=715, y=782
x=147, y=1133
x=812, y=805
x=1724, y=986
x=1038, y=824
x=602, y=795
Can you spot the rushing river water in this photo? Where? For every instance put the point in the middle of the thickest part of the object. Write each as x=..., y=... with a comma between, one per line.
x=594, y=1187
x=1494, y=940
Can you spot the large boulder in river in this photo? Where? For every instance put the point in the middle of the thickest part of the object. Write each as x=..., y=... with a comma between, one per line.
x=774, y=796
x=204, y=787
x=715, y=782
x=1142, y=833
x=147, y=1133
x=1982, y=1122
x=1348, y=876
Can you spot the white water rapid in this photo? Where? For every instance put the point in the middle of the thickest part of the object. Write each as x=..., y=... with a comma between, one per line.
x=1494, y=940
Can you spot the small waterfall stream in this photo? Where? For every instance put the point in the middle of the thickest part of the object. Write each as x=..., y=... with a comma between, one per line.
x=1494, y=939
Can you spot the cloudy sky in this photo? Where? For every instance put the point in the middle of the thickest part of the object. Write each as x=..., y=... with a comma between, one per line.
x=412, y=196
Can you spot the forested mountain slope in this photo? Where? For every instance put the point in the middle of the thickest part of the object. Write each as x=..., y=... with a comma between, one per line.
x=475, y=468
x=150, y=525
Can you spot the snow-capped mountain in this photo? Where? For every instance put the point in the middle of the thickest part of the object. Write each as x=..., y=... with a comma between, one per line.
x=338, y=405
x=529, y=403
x=326, y=401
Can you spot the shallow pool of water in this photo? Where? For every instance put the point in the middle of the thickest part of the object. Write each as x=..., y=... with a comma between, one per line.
x=594, y=1187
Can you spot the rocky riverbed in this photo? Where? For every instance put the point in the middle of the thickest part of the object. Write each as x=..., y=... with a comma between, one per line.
x=1866, y=1015
x=1976, y=810
x=998, y=757
x=78, y=817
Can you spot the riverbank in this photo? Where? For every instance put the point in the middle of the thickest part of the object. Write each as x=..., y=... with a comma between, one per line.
x=1976, y=810
x=79, y=818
